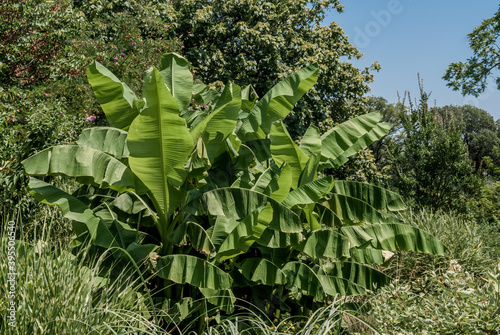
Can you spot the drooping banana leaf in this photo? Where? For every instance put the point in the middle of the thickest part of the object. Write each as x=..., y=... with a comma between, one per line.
x=378, y=197
x=284, y=149
x=325, y=243
x=276, y=239
x=303, y=277
x=367, y=255
x=393, y=237
x=340, y=139
x=262, y=271
x=89, y=166
x=309, y=193
x=160, y=144
x=238, y=203
x=277, y=103
x=176, y=74
x=75, y=210
x=192, y=270
x=268, y=180
x=117, y=100
x=248, y=98
x=359, y=274
x=196, y=234
x=310, y=172
x=107, y=139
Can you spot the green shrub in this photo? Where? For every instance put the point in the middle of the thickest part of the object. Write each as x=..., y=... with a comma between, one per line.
x=452, y=303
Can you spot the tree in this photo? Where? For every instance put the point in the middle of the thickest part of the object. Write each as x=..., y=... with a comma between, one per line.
x=261, y=42
x=222, y=198
x=470, y=77
x=430, y=160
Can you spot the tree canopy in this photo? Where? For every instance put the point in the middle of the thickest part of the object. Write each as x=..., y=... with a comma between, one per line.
x=259, y=43
x=471, y=77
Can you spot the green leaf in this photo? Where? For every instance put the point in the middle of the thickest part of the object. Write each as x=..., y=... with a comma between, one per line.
x=310, y=172
x=262, y=271
x=238, y=203
x=277, y=103
x=276, y=239
x=311, y=141
x=89, y=166
x=309, y=193
x=109, y=140
x=224, y=299
x=176, y=74
x=73, y=209
x=268, y=180
x=219, y=124
x=393, y=237
x=379, y=198
x=117, y=100
x=325, y=243
x=284, y=149
x=358, y=274
x=303, y=277
x=160, y=143
x=339, y=140
x=186, y=269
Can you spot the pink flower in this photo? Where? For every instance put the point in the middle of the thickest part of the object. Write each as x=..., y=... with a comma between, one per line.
x=194, y=71
x=115, y=59
x=84, y=87
x=123, y=55
x=91, y=118
x=132, y=43
x=205, y=106
x=183, y=47
x=165, y=27
x=46, y=95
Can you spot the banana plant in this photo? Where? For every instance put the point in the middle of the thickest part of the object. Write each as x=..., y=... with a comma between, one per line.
x=210, y=185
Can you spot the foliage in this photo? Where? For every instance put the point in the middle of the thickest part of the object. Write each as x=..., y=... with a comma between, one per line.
x=429, y=159
x=221, y=198
x=471, y=244
x=470, y=77
x=56, y=293
x=451, y=303
x=260, y=43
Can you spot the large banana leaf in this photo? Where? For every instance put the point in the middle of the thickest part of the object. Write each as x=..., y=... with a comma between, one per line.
x=238, y=203
x=309, y=193
x=89, y=166
x=304, y=278
x=277, y=103
x=276, y=239
x=262, y=271
x=339, y=140
x=160, y=143
x=379, y=198
x=117, y=100
x=284, y=149
x=175, y=72
x=224, y=299
x=393, y=237
x=325, y=243
x=192, y=270
x=109, y=140
x=311, y=141
x=219, y=124
x=75, y=210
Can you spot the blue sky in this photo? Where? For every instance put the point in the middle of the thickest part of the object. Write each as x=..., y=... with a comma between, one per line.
x=408, y=37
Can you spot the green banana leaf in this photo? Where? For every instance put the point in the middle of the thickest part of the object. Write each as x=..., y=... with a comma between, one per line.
x=224, y=299
x=358, y=274
x=304, y=278
x=393, y=237
x=219, y=124
x=176, y=74
x=262, y=271
x=117, y=100
x=276, y=239
x=238, y=203
x=89, y=166
x=106, y=139
x=160, y=144
x=284, y=149
x=182, y=269
x=325, y=243
x=277, y=103
x=75, y=210
x=339, y=140
x=310, y=172
x=311, y=141
x=378, y=197
x=309, y=193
